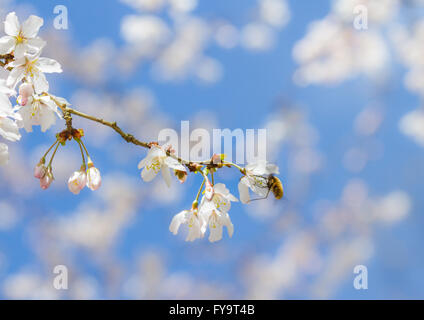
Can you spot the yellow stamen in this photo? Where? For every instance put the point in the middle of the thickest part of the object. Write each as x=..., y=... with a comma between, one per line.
x=20, y=38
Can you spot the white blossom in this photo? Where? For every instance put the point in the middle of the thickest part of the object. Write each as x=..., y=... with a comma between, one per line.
x=40, y=110
x=157, y=160
x=216, y=220
x=256, y=179
x=32, y=67
x=214, y=212
x=192, y=219
x=21, y=39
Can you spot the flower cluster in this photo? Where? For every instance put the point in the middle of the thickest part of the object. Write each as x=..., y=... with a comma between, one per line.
x=212, y=211
x=20, y=50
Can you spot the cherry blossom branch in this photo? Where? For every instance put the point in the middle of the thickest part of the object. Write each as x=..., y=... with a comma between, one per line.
x=37, y=107
x=126, y=136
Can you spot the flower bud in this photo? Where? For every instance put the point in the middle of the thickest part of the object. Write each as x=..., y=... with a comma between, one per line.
x=77, y=182
x=181, y=175
x=47, y=179
x=216, y=159
x=25, y=91
x=40, y=171
x=195, y=205
x=94, y=179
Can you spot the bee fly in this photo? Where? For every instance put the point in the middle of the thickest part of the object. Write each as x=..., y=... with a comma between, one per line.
x=273, y=184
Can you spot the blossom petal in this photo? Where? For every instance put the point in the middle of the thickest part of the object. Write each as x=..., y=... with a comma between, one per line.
x=48, y=65
x=20, y=62
x=7, y=43
x=154, y=152
x=31, y=26
x=221, y=202
x=11, y=25
x=5, y=106
x=215, y=232
x=174, y=164
x=15, y=76
x=272, y=168
x=40, y=83
x=232, y=198
x=220, y=188
x=47, y=118
x=262, y=168
x=148, y=173
x=61, y=100
x=258, y=185
x=35, y=44
x=194, y=229
x=205, y=210
x=244, y=191
x=26, y=116
x=5, y=89
x=143, y=162
x=176, y=222
x=209, y=190
x=224, y=219
x=49, y=103
x=20, y=50
x=166, y=175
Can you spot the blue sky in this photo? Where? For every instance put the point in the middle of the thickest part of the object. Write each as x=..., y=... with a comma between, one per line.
x=247, y=94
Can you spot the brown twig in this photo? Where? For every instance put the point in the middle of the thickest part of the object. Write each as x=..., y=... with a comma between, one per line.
x=192, y=165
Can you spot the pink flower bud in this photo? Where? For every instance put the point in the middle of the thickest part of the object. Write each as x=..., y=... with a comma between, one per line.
x=77, y=182
x=94, y=180
x=25, y=91
x=47, y=179
x=216, y=158
x=40, y=171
